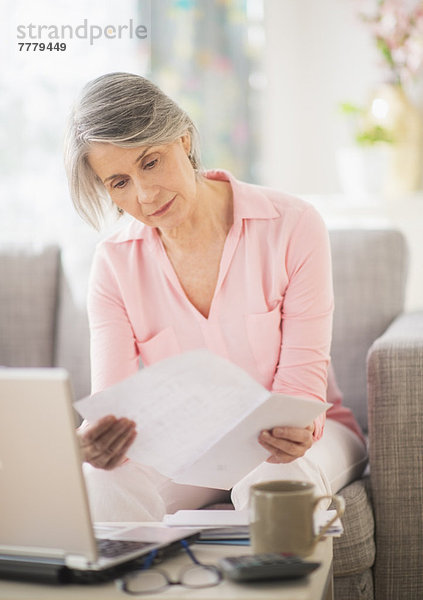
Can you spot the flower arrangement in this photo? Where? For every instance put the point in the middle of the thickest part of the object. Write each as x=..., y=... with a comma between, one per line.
x=397, y=26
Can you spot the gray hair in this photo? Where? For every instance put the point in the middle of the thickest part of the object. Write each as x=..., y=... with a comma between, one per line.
x=122, y=109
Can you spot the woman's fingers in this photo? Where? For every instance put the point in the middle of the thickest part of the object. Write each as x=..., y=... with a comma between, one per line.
x=111, y=437
x=120, y=439
x=285, y=444
x=105, y=443
x=119, y=455
x=294, y=434
x=282, y=453
x=92, y=433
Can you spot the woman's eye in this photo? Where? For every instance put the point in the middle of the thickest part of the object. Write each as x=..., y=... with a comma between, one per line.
x=120, y=184
x=151, y=164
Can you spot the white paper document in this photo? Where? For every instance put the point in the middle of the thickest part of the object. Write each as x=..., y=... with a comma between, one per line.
x=198, y=417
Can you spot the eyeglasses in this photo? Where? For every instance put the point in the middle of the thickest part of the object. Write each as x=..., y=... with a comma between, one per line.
x=147, y=581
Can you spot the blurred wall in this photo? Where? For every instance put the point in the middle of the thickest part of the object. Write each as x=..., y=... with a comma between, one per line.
x=317, y=54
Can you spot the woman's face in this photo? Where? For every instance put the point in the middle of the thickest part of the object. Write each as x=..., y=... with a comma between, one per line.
x=154, y=184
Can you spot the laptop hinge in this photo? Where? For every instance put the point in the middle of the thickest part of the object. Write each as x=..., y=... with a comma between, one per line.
x=76, y=561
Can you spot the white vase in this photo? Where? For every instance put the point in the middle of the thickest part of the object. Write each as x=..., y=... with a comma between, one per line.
x=364, y=170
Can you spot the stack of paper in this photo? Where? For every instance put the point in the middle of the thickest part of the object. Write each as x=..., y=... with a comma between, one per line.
x=237, y=518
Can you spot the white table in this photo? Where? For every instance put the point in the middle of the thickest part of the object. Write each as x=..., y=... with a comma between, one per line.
x=317, y=586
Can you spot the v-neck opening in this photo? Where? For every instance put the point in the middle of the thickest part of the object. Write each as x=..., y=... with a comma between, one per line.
x=228, y=252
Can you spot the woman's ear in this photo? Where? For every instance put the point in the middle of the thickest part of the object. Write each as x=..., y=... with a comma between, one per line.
x=186, y=142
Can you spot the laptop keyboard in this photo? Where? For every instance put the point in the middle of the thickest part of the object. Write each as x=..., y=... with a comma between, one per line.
x=114, y=548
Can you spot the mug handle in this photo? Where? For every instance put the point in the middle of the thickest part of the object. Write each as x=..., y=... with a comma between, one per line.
x=340, y=509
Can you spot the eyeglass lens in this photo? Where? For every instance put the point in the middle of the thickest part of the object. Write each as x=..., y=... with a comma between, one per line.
x=155, y=580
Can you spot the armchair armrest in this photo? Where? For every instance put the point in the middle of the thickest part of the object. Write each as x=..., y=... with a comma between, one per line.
x=395, y=405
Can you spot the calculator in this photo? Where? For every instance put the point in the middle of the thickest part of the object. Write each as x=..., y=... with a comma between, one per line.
x=260, y=567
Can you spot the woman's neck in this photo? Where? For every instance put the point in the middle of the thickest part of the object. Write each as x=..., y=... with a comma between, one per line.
x=210, y=221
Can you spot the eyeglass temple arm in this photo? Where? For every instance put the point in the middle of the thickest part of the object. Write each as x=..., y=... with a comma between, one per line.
x=188, y=550
x=149, y=560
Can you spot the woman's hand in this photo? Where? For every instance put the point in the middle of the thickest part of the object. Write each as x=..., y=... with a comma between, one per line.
x=104, y=444
x=285, y=444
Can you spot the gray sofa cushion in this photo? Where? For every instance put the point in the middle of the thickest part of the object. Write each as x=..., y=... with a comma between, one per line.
x=72, y=338
x=354, y=551
x=28, y=292
x=354, y=587
x=369, y=277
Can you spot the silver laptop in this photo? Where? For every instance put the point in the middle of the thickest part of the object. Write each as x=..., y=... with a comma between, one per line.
x=45, y=524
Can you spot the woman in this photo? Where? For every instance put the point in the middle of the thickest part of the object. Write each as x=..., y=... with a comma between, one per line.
x=205, y=261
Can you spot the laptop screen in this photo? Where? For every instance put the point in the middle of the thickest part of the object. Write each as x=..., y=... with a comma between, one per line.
x=44, y=504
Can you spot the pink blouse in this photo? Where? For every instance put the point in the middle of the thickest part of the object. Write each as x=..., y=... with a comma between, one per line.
x=271, y=311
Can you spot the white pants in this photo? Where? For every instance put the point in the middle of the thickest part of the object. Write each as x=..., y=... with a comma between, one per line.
x=134, y=492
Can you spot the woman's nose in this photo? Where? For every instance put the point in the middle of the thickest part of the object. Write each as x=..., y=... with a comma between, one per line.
x=146, y=194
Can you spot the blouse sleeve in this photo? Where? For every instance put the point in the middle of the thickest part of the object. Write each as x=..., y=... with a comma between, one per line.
x=307, y=313
x=114, y=354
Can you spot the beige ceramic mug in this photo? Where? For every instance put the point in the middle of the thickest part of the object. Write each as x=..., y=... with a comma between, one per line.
x=281, y=517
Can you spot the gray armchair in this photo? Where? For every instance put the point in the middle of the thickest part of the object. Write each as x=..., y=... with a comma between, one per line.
x=380, y=555
x=395, y=389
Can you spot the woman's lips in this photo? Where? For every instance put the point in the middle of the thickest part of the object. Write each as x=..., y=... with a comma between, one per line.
x=163, y=209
